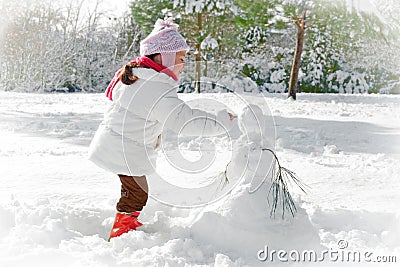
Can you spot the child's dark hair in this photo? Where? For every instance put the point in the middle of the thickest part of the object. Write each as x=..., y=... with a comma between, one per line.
x=127, y=76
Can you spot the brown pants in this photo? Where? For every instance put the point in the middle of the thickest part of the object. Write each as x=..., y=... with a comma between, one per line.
x=134, y=193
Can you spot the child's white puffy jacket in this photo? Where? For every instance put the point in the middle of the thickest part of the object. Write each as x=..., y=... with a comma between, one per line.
x=125, y=140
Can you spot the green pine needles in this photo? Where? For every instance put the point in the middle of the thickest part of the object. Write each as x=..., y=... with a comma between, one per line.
x=281, y=176
x=279, y=188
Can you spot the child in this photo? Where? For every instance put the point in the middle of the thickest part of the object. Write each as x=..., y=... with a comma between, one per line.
x=144, y=102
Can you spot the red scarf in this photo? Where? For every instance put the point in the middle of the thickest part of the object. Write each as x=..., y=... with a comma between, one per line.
x=142, y=62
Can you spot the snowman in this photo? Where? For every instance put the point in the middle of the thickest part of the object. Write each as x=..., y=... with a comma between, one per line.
x=254, y=161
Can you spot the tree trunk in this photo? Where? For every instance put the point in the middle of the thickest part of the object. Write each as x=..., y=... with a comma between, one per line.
x=198, y=54
x=294, y=73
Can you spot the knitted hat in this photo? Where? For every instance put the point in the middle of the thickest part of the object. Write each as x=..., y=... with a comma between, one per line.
x=164, y=39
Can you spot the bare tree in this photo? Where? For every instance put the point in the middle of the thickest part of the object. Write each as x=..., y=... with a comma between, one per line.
x=294, y=73
x=47, y=46
x=198, y=53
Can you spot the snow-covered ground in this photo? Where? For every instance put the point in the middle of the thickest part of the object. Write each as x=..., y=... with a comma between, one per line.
x=56, y=207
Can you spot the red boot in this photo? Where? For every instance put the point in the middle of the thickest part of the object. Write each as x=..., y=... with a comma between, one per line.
x=124, y=222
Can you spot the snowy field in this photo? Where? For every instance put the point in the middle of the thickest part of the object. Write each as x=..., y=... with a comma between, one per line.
x=56, y=207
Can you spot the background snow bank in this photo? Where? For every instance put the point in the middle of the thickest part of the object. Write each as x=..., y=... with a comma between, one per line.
x=57, y=208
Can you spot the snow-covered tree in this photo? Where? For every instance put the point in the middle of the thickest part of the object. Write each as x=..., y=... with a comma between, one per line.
x=29, y=46
x=55, y=45
x=208, y=26
x=339, y=45
x=47, y=46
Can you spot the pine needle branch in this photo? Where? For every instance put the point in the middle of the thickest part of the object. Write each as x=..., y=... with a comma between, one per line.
x=279, y=188
x=224, y=180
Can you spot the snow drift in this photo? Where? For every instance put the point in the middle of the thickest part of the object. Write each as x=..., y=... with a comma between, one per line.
x=57, y=208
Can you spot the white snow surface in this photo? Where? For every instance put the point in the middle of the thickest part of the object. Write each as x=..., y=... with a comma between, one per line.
x=57, y=208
